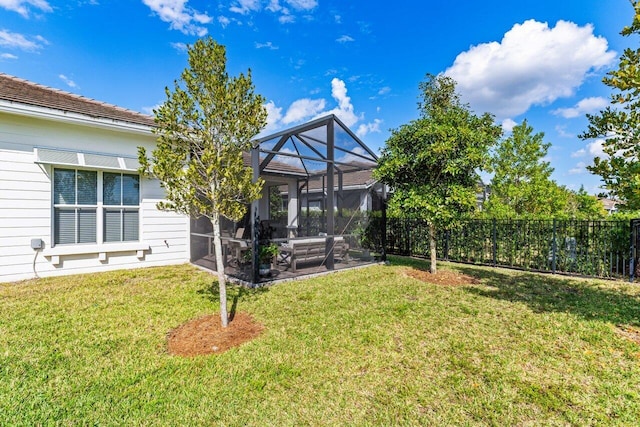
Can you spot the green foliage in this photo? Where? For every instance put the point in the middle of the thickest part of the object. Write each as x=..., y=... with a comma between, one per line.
x=204, y=127
x=592, y=248
x=619, y=126
x=275, y=204
x=267, y=252
x=583, y=205
x=431, y=162
x=522, y=185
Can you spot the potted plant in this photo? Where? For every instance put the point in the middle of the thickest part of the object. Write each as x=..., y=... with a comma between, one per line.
x=363, y=240
x=266, y=254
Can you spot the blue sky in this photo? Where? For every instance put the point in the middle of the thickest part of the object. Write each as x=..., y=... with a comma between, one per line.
x=537, y=60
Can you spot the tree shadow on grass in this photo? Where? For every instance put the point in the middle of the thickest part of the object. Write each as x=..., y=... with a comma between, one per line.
x=546, y=293
x=235, y=293
x=590, y=300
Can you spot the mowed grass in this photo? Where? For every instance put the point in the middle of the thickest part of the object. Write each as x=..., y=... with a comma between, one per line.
x=364, y=347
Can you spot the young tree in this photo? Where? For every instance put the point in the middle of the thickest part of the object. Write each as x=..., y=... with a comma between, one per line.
x=521, y=185
x=431, y=162
x=619, y=126
x=204, y=127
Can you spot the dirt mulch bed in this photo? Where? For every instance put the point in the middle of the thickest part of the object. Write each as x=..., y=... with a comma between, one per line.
x=206, y=335
x=442, y=277
x=629, y=332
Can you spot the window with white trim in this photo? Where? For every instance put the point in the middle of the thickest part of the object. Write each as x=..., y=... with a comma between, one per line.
x=121, y=200
x=95, y=207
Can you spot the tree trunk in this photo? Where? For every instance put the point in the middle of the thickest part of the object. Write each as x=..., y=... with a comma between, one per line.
x=222, y=280
x=432, y=247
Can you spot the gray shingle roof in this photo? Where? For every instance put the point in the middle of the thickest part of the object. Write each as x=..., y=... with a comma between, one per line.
x=14, y=89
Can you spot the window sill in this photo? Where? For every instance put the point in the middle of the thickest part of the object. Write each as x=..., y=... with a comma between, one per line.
x=102, y=250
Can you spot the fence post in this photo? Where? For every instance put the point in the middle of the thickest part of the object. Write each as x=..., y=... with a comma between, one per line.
x=494, y=248
x=407, y=227
x=632, y=260
x=447, y=233
x=384, y=230
x=554, y=248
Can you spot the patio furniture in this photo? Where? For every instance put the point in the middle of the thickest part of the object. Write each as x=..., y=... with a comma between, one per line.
x=309, y=249
x=236, y=246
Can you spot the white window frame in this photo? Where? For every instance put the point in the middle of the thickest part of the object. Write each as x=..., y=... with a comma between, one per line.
x=121, y=207
x=100, y=207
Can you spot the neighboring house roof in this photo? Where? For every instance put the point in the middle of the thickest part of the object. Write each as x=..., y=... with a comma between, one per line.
x=16, y=90
x=354, y=179
x=610, y=205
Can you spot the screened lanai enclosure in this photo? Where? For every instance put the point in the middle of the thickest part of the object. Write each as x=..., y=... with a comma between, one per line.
x=318, y=198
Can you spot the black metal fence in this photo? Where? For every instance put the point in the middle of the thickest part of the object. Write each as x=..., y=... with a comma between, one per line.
x=589, y=248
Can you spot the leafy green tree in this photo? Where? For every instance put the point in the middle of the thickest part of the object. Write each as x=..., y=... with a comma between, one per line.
x=205, y=125
x=521, y=185
x=431, y=162
x=583, y=205
x=619, y=126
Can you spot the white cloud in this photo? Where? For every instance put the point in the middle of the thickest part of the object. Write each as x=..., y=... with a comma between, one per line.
x=532, y=65
x=385, y=90
x=287, y=19
x=180, y=47
x=243, y=7
x=302, y=4
x=563, y=133
x=579, y=169
x=344, y=111
x=366, y=128
x=274, y=115
x=18, y=41
x=67, y=81
x=307, y=109
x=274, y=6
x=268, y=45
x=224, y=21
x=23, y=6
x=8, y=56
x=585, y=106
x=303, y=109
x=149, y=110
x=246, y=7
x=345, y=39
x=508, y=125
x=580, y=153
x=595, y=149
x=179, y=16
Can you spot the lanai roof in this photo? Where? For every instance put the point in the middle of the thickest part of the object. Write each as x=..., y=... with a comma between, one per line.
x=308, y=148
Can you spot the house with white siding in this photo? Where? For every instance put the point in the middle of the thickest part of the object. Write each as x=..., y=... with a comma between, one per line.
x=71, y=198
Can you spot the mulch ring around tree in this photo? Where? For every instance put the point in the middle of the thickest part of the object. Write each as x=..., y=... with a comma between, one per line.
x=442, y=277
x=206, y=335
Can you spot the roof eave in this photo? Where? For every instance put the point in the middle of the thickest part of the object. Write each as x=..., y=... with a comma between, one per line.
x=44, y=113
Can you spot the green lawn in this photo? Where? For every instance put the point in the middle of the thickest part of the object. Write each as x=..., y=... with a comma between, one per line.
x=364, y=347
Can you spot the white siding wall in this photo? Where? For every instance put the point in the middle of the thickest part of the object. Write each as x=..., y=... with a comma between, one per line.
x=25, y=201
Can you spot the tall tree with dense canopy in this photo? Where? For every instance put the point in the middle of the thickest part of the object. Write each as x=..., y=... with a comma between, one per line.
x=431, y=162
x=205, y=125
x=521, y=185
x=619, y=126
